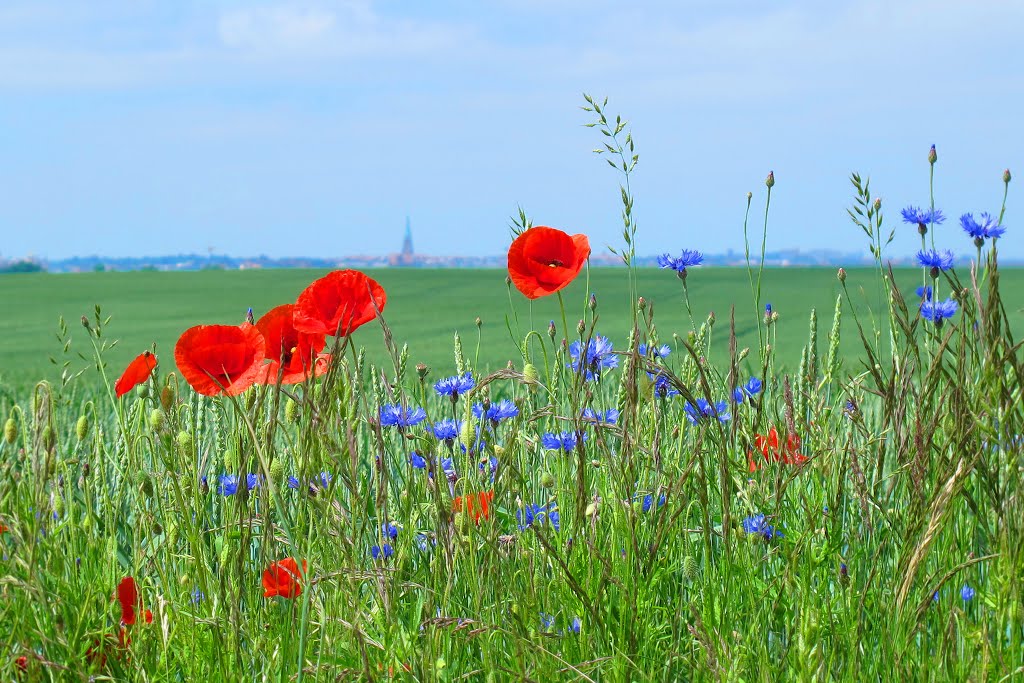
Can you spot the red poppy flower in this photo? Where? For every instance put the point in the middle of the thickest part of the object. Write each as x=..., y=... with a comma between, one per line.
x=338, y=303
x=137, y=372
x=22, y=663
x=543, y=260
x=788, y=454
x=128, y=596
x=293, y=355
x=476, y=505
x=218, y=359
x=282, y=578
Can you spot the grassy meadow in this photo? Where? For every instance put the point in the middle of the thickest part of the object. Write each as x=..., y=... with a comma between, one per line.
x=425, y=308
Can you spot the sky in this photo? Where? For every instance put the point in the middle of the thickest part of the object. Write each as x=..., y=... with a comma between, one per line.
x=146, y=127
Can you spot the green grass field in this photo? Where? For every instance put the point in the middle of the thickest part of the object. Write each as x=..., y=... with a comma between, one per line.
x=425, y=308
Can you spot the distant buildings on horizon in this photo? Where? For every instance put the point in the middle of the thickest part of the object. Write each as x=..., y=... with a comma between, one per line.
x=408, y=258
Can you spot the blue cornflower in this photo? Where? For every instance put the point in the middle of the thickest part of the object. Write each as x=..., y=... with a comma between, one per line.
x=768, y=309
x=648, y=501
x=597, y=356
x=447, y=430
x=924, y=292
x=538, y=513
x=757, y=525
x=453, y=386
x=323, y=480
x=576, y=625
x=981, y=229
x=687, y=259
x=967, y=593
x=751, y=388
x=448, y=467
x=922, y=217
x=654, y=351
x=293, y=482
x=936, y=260
x=377, y=551
x=937, y=311
x=401, y=416
x=502, y=410
x=547, y=621
x=935, y=596
x=228, y=484
x=197, y=596
x=565, y=441
x=417, y=460
x=610, y=416
x=663, y=387
x=704, y=409
x=390, y=530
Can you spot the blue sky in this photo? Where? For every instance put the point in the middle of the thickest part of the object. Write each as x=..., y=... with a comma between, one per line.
x=143, y=127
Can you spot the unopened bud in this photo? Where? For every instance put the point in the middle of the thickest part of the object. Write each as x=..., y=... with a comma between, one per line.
x=551, y=330
x=769, y=182
x=841, y=274
x=591, y=510
x=184, y=441
x=467, y=435
x=508, y=281
x=641, y=303
x=775, y=316
x=85, y=322
x=249, y=317
x=157, y=419
x=530, y=374
x=10, y=430
x=49, y=438
x=1006, y=176
x=592, y=303
x=932, y=156
x=547, y=480
x=277, y=471
x=422, y=371
x=167, y=397
x=581, y=327
x=690, y=568
x=743, y=353
x=479, y=322
x=878, y=203
x=711, y=318
x=750, y=195
x=595, y=463
x=82, y=428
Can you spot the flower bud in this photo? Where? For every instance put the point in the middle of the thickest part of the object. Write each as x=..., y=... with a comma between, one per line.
x=467, y=435
x=167, y=397
x=711, y=318
x=479, y=322
x=932, y=156
x=775, y=316
x=250, y=317
x=769, y=182
x=157, y=419
x=142, y=391
x=85, y=322
x=878, y=203
x=49, y=438
x=691, y=569
x=641, y=303
x=291, y=411
x=595, y=464
x=82, y=428
x=581, y=327
x=551, y=330
x=591, y=510
x=750, y=195
x=508, y=281
x=422, y=371
x=184, y=440
x=10, y=430
x=277, y=471
x=547, y=480
x=530, y=374
x=841, y=274
x=1006, y=176
x=592, y=303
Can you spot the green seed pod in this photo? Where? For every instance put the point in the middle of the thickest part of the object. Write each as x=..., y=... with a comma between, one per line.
x=157, y=419
x=82, y=428
x=690, y=568
x=10, y=430
x=291, y=411
x=530, y=374
x=167, y=397
x=547, y=480
x=142, y=391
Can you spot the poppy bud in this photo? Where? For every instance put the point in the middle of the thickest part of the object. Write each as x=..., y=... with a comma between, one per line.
x=841, y=274
x=508, y=281
x=58, y=506
x=142, y=391
x=551, y=330
x=547, y=480
x=530, y=374
x=277, y=470
x=1006, y=176
x=769, y=182
x=167, y=397
x=49, y=438
x=690, y=568
x=10, y=430
x=156, y=419
x=82, y=428
x=184, y=440
x=291, y=411
x=932, y=156
x=711, y=318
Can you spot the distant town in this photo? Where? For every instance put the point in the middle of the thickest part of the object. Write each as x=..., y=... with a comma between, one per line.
x=406, y=257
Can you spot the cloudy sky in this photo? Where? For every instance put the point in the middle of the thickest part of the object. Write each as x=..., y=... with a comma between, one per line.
x=142, y=127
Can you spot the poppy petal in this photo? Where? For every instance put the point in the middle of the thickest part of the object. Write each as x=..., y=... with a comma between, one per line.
x=128, y=596
x=338, y=303
x=544, y=260
x=137, y=372
x=217, y=359
x=293, y=355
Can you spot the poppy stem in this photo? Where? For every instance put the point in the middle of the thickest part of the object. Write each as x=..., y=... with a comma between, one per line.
x=561, y=305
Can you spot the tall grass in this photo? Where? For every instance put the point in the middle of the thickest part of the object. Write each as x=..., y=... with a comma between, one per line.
x=660, y=567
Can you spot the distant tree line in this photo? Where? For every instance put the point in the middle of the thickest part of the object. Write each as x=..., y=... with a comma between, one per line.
x=22, y=267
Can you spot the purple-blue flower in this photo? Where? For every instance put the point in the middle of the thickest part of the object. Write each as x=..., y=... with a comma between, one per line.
x=417, y=460
x=756, y=524
x=564, y=441
x=401, y=416
x=229, y=483
x=390, y=530
x=502, y=410
x=705, y=410
x=610, y=416
x=447, y=430
x=654, y=351
x=936, y=260
x=924, y=292
x=377, y=551
x=663, y=387
x=751, y=388
x=937, y=311
x=916, y=216
x=983, y=228
x=967, y=593
x=687, y=259
x=538, y=513
x=453, y=386
x=596, y=356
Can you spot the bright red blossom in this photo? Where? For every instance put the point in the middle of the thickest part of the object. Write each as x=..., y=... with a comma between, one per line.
x=216, y=359
x=788, y=454
x=137, y=372
x=293, y=355
x=128, y=595
x=543, y=260
x=338, y=303
x=476, y=505
x=282, y=578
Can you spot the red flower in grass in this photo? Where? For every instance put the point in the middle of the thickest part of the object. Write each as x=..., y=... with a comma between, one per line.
x=338, y=303
x=137, y=372
x=476, y=505
x=128, y=595
x=788, y=454
x=293, y=355
x=22, y=663
x=543, y=260
x=216, y=359
x=282, y=578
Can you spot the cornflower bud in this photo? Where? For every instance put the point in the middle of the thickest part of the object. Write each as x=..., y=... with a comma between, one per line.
x=479, y=322
x=769, y=182
x=1006, y=176
x=878, y=203
x=592, y=304
x=422, y=371
x=841, y=275
x=581, y=327
x=291, y=411
x=551, y=330
x=932, y=156
x=641, y=303
x=750, y=196
x=85, y=322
